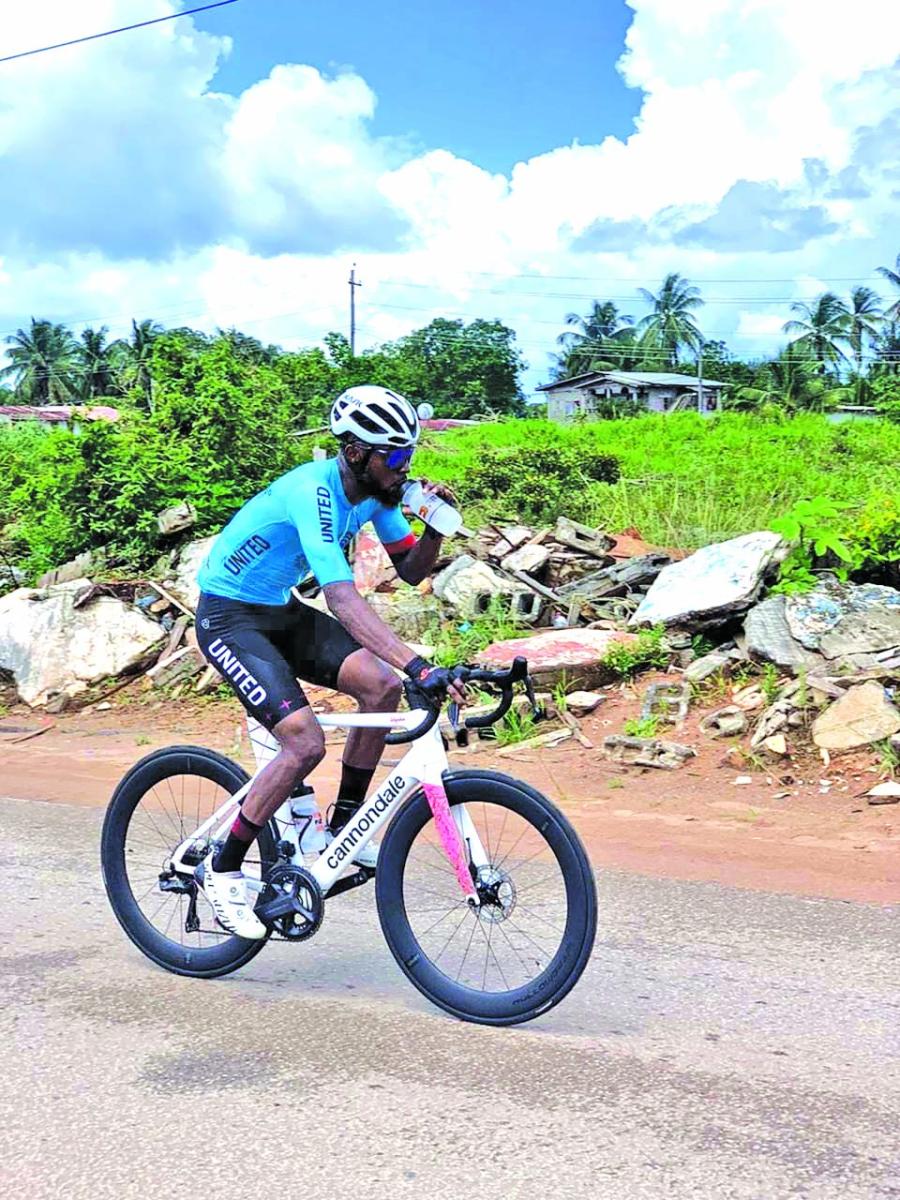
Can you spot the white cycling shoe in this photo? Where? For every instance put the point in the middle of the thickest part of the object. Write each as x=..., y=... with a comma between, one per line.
x=226, y=892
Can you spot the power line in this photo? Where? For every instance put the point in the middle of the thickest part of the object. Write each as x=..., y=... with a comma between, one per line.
x=626, y=299
x=638, y=279
x=91, y=37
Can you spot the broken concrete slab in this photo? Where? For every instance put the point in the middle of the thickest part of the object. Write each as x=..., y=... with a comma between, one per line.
x=529, y=557
x=575, y=655
x=768, y=637
x=183, y=581
x=647, y=752
x=713, y=584
x=815, y=615
x=50, y=646
x=730, y=721
x=582, y=537
x=409, y=613
x=855, y=626
x=467, y=583
x=617, y=579
x=884, y=793
x=582, y=703
x=78, y=568
x=862, y=716
x=512, y=536
x=705, y=667
x=177, y=518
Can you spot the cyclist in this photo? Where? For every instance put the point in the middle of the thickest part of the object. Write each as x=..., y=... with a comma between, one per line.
x=263, y=640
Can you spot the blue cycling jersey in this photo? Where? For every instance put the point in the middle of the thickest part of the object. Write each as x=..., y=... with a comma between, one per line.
x=300, y=525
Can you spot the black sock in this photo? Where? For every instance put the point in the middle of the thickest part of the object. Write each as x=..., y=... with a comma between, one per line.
x=240, y=838
x=351, y=793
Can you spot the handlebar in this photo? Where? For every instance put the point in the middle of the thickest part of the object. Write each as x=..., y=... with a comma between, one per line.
x=517, y=673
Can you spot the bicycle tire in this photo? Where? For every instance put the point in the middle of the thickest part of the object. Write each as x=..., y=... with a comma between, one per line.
x=537, y=996
x=203, y=962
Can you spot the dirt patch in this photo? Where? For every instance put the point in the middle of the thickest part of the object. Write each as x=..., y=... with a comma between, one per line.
x=798, y=826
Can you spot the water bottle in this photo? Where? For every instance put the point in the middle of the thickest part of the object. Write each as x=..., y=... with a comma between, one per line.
x=309, y=822
x=429, y=507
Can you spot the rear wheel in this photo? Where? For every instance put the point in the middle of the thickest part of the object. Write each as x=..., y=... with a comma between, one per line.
x=525, y=947
x=161, y=800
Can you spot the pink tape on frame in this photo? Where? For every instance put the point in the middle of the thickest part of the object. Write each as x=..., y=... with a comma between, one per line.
x=449, y=835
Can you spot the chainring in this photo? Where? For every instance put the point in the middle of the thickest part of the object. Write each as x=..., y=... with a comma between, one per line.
x=302, y=886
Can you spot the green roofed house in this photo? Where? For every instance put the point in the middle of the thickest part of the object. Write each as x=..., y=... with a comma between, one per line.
x=658, y=391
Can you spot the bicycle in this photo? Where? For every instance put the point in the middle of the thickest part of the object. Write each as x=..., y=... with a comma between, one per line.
x=468, y=858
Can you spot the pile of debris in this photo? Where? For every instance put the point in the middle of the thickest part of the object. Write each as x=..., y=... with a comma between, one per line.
x=831, y=655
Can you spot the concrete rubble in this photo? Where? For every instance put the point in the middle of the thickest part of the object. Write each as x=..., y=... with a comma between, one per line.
x=835, y=627
x=863, y=715
x=814, y=669
x=713, y=584
x=647, y=752
x=52, y=646
x=574, y=655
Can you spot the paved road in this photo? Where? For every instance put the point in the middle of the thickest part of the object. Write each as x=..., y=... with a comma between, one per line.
x=721, y=1044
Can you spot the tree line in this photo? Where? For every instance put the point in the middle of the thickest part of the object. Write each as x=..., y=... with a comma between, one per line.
x=839, y=350
x=464, y=370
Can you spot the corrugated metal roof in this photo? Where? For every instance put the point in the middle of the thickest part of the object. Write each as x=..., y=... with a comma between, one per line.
x=647, y=378
x=58, y=414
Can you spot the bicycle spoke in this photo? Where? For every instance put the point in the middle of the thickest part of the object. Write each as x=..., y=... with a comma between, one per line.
x=522, y=894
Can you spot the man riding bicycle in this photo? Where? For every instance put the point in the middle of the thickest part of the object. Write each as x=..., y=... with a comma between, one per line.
x=263, y=640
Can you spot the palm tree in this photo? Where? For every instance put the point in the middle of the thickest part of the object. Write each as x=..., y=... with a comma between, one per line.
x=864, y=322
x=43, y=362
x=136, y=355
x=824, y=323
x=893, y=278
x=594, y=337
x=99, y=375
x=671, y=323
x=792, y=382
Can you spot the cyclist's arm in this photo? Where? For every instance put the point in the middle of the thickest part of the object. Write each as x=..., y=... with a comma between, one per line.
x=364, y=624
x=413, y=558
x=415, y=563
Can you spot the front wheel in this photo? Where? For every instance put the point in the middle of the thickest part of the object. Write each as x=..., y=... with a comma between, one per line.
x=525, y=947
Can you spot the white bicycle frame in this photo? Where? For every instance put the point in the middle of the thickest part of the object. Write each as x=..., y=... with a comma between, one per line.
x=422, y=766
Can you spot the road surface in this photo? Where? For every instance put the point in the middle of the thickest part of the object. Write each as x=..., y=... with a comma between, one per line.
x=722, y=1044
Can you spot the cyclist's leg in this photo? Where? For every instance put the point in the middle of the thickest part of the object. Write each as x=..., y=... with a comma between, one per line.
x=322, y=651
x=241, y=641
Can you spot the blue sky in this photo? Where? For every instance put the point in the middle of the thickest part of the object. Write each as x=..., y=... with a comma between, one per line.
x=492, y=82
x=496, y=160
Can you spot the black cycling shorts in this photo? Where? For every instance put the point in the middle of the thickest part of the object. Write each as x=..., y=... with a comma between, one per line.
x=263, y=649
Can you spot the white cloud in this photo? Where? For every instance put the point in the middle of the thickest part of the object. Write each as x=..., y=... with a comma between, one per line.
x=764, y=149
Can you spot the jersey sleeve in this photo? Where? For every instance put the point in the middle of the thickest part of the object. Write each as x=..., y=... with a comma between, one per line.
x=393, y=530
x=314, y=515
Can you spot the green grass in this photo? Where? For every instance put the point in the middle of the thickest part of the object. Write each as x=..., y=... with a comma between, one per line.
x=460, y=641
x=686, y=480
x=642, y=727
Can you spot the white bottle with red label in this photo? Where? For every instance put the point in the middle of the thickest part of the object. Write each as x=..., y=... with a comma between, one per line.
x=430, y=508
x=309, y=823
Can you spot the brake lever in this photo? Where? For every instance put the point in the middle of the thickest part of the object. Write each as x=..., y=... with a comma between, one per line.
x=460, y=733
x=537, y=710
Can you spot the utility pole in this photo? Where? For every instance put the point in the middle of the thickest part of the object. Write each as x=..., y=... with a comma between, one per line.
x=700, y=377
x=353, y=286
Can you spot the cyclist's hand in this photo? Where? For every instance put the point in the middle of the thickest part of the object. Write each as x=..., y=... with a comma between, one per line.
x=439, y=489
x=435, y=682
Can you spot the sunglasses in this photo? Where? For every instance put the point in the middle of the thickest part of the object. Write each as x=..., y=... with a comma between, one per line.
x=396, y=460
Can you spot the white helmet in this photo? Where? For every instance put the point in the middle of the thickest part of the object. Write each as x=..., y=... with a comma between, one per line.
x=375, y=415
